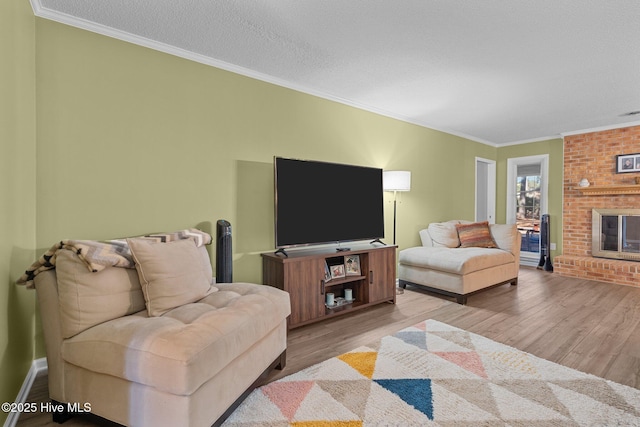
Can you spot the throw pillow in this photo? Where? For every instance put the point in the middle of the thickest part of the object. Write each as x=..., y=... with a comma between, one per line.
x=171, y=274
x=88, y=299
x=475, y=235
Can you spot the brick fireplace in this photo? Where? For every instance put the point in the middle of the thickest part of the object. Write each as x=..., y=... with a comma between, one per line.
x=593, y=156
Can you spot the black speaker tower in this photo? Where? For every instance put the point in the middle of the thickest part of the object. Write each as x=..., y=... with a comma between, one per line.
x=224, y=266
x=545, y=237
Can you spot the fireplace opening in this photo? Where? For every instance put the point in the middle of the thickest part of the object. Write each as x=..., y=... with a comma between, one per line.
x=616, y=234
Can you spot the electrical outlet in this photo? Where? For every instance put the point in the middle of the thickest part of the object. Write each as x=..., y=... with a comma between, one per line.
x=552, y=246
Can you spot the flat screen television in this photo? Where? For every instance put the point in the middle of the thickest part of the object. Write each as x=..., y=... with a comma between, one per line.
x=320, y=202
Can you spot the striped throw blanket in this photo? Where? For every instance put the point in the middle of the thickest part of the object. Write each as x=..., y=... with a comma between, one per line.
x=98, y=255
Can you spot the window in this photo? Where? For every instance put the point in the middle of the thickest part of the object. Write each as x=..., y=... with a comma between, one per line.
x=527, y=201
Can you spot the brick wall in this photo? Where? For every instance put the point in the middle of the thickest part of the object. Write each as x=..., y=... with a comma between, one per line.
x=593, y=156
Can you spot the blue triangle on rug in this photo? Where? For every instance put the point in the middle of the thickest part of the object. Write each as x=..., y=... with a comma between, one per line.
x=414, y=391
x=416, y=338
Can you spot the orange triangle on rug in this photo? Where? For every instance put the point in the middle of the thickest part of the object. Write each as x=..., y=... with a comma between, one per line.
x=288, y=395
x=469, y=360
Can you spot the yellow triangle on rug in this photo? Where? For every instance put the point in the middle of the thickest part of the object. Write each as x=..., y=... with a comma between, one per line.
x=363, y=362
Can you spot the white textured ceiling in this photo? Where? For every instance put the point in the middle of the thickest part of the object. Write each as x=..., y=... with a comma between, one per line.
x=496, y=71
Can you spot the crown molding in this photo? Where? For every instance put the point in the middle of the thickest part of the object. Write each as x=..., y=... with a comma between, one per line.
x=601, y=128
x=529, y=141
x=63, y=18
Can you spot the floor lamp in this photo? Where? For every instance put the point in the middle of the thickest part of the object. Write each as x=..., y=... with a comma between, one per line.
x=396, y=181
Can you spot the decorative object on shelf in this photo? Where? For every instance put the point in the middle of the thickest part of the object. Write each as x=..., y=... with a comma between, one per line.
x=339, y=302
x=584, y=182
x=331, y=299
x=352, y=265
x=327, y=272
x=337, y=271
x=626, y=163
x=348, y=294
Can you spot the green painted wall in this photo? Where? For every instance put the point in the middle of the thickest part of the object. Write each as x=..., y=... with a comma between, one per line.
x=554, y=148
x=17, y=193
x=130, y=140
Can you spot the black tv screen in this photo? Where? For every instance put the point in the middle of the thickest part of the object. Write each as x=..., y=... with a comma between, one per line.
x=320, y=202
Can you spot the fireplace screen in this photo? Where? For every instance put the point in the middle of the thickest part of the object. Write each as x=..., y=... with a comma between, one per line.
x=616, y=233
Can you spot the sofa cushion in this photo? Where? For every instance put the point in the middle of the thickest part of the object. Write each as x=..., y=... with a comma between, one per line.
x=89, y=298
x=444, y=234
x=171, y=274
x=455, y=261
x=475, y=235
x=180, y=351
x=507, y=237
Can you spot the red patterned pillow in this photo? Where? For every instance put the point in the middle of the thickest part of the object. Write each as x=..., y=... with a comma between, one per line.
x=475, y=235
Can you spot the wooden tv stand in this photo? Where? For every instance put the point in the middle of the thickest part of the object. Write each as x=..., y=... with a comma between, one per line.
x=302, y=274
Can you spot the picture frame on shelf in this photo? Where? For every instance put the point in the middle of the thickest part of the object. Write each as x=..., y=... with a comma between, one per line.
x=337, y=271
x=626, y=163
x=327, y=272
x=352, y=265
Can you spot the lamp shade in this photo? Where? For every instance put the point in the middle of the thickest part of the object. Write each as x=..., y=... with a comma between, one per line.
x=396, y=180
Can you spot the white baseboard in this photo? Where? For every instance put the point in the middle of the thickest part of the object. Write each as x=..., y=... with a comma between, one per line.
x=37, y=366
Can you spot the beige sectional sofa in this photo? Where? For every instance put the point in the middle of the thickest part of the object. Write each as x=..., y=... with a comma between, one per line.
x=444, y=266
x=160, y=344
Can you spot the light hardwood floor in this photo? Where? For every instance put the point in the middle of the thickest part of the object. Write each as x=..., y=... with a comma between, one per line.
x=586, y=325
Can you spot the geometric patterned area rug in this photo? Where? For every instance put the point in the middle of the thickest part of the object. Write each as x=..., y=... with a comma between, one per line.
x=433, y=374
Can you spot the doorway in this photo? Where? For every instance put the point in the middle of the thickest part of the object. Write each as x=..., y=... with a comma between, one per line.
x=485, y=190
x=527, y=184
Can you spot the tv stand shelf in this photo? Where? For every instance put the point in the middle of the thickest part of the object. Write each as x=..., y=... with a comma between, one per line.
x=302, y=274
x=348, y=279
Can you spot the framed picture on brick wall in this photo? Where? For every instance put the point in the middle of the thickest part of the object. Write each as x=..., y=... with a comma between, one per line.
x=626, y=163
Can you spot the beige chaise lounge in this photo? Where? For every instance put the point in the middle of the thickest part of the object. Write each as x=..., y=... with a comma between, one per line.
x=145, y=347
x=442, y=265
